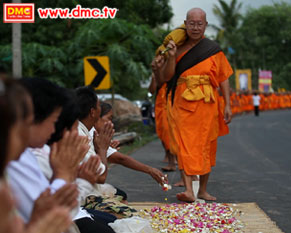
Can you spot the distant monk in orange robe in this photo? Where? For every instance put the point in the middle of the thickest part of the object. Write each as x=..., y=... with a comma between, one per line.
x=262, y=105
x=289, y=103
x=196, y=70
x=239, y=102
x=233, y=103
x=249, y=102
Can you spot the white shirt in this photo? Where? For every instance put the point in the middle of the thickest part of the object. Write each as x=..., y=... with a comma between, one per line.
x=85, y=188
x=27, y=182
x=256, y=100
x=83, y=131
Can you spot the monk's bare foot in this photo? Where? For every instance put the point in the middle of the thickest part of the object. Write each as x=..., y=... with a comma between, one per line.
x=206, y=196
x=185, y=197
x=169, y=168
x=180, y=183
x=195, y=178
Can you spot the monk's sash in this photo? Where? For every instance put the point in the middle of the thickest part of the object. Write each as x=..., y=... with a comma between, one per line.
x=193, y=91
x=203, y=50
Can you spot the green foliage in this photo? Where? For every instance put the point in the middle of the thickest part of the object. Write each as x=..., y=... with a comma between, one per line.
x=130, y=49
x=261, y=39
x=265, y=42
x=229, y=19
x=55, y=48
x=150, y=12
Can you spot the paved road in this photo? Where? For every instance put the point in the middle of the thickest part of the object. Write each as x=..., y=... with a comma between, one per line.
x=253, y=165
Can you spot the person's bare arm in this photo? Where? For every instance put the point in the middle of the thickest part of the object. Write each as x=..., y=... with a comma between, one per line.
x=158, y=67
x=131, y=163
x=224, y=86
x=170, y=65
x=153, y=85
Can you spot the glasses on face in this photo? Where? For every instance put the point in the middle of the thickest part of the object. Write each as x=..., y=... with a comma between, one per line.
x=192, y=24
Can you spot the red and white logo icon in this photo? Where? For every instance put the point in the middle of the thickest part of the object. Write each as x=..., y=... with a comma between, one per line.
x=18, y=12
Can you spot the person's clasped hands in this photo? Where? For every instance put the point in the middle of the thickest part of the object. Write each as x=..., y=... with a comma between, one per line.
x=67, y=154
x=102, y=139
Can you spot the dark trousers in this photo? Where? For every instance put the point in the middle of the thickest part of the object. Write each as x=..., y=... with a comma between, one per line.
x=87, y=225
x=102, y=216
x=256, y=109
x=120, y=192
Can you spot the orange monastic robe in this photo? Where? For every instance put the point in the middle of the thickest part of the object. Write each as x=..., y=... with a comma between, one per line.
x=281, y=101
x=250, y=105
x=273, y=98
x=262, y=101
x=162, y=126
x=233, y=103
x=196, y=124
x=268, y=102
x=244, y=103
x=239, y=103
x=289, y=103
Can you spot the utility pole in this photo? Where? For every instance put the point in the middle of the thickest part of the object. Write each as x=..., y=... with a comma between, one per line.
x=16, y=48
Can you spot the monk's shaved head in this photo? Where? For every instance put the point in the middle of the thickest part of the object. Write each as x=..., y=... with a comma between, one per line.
x=195, y=24
x=196, y=11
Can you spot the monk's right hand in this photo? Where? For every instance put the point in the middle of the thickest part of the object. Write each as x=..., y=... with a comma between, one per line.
x=173, y=48
x=227, y=114
x=157, y=63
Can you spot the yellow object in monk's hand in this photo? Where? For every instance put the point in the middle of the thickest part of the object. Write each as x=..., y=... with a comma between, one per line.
x=178, y=35
x=164, y=51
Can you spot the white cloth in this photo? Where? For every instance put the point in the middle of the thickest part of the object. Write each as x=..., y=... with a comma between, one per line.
x=256, y=100
x=27, y=182
x=134, y=224
x=85, y=188
x=83, y=131
x=110, y=151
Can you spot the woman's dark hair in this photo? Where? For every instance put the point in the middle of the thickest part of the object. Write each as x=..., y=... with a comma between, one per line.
x=68, y=116
x=87, y=99
x=13, y=107
x=105, y=108
x=46, y=97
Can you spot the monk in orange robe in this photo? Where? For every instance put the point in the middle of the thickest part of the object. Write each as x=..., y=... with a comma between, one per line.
x=274, y=101
x=289, y=103
x=244, y=102
x=281, y=100
x=233, y=103
x=239, y=102
x=161, y=121
x=249, y=102
x=268, y=102
x=262, y=105
x=193, y=102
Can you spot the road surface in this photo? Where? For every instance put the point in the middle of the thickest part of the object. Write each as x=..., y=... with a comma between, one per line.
x=253, y=165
